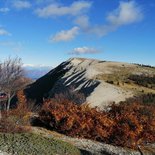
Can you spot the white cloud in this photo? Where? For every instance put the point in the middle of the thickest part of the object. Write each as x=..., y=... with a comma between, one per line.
x=28, y=65
x=65, y=35
x=21, y=4
x=127, y=13
x=4, y=10
x=4, y=32
x=74, y=9
x=84, y=50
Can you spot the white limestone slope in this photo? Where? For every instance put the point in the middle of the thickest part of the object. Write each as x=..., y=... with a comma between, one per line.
x=82, y=74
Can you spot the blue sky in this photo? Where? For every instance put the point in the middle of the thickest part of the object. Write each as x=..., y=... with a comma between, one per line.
x=48, y=32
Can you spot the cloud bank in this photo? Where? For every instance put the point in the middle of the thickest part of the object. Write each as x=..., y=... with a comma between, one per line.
x=127, y=13
x=53, y=10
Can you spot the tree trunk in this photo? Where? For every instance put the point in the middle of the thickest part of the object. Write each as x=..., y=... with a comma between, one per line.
x=9, y=101
x=10, y=96
x=0, y=115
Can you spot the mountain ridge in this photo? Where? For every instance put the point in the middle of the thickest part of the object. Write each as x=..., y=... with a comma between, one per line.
x=102, y=82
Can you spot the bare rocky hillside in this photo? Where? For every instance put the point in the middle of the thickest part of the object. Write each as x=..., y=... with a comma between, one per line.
x=102, y=82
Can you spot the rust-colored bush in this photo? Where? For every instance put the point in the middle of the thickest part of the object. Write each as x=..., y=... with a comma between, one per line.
x=127, y=125
x=8, y=126
x=135, y=124
x=16, y=120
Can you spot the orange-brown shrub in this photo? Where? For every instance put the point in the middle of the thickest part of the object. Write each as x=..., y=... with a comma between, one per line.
x=7, y=126
x=127, y=125
x=14, y=120
x=135, y=124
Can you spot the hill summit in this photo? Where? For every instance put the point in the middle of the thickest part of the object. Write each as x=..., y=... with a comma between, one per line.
x=101, y=82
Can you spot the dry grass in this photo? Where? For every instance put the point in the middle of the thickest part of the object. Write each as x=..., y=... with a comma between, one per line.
x=120, y=76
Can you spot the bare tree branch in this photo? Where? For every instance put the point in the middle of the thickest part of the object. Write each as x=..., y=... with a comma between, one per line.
x=11, y=78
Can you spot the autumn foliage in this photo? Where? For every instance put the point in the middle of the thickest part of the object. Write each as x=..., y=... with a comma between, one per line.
x=16, y=120
x=126, y=125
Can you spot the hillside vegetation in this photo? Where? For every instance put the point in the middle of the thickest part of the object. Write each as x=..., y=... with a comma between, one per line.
x=127, y=124
x=122, y=111
x=139, y=79
x=16, y=136
x=33, y=144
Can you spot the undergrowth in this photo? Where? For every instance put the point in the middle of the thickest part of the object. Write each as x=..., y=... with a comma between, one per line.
x=127, y=125
x=16, y=120
x=33, y=144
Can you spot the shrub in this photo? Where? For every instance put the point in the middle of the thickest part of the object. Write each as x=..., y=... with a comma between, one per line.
x=143, y=80
x=135, y=124
x=14, y=120
x=111, y=82
x=148, y=98
x=8, y=126
x=70, y=94
x=72, y=119
x=125, y=124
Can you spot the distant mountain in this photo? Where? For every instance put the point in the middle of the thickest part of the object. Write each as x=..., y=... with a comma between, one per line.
x=35, y=72
x=102, y=82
